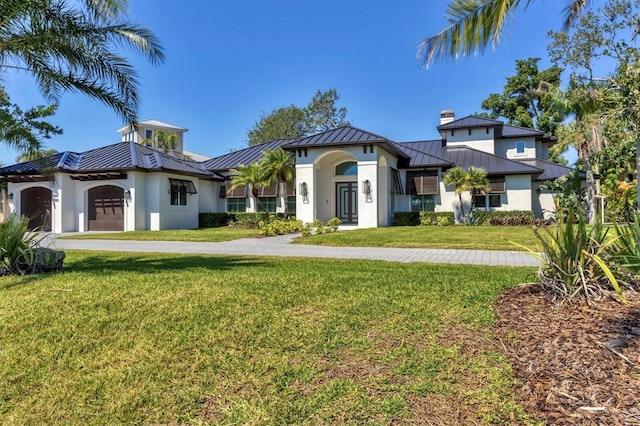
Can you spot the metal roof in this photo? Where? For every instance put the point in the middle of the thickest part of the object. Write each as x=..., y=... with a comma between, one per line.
x=517, y=131
x=470, y=121
x=343, y=135
x=155, y=123
x=121, y=156
x=552, y=171
x=425, y=154
x=243, y=156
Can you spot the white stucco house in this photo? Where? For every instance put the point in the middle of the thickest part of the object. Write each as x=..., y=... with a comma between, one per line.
x=358, y=176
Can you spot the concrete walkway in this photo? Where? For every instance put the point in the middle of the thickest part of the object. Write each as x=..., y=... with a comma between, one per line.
x=280, y=246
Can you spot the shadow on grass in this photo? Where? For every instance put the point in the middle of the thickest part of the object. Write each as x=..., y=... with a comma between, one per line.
x=20, y=281
x=154, y=263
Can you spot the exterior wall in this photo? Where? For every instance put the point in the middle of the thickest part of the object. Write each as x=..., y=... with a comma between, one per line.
x=306, y=207
x=518, y=193
x=507, y=148
x=368, y=206
x=481, y=138
x=208, y=197
x=542, y=202
x=139, y=135
x=177, y=217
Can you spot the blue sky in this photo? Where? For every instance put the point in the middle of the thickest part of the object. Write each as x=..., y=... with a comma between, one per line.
x=228, y=61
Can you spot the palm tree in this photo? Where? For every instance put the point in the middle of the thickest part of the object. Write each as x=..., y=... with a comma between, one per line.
x=74, y=46
x=36, y=155
x=166, y=141
x=251, y=175
x=474, y=180
x=475, y=24
x=279, y=165
x=458, y=178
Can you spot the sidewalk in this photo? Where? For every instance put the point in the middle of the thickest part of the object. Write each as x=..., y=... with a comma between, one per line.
x=280, y=246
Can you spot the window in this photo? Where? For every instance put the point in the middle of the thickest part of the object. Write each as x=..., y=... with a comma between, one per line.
x=236, y=205
x=423, y=203
x=148, y=134
x=396, y=186
x=236, y=199
x=491, y=200
x=520, y=147
x=291, y=204
x=266, y=204
x=348, y=168
x=179, y=190
x=423, y=182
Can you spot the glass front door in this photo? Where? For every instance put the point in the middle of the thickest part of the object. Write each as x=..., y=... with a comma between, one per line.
x=347, y=202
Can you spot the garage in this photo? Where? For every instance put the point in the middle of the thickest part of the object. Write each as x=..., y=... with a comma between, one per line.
x=36, y=205
x=106, y=208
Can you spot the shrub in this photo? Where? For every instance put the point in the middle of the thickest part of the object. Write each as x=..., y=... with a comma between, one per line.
x=277, y=226
x=318, y=227
x=435, y=218
x=252, y=220
x=17, y=246
x=406, y=219
x=574, y=260
x=214, y=220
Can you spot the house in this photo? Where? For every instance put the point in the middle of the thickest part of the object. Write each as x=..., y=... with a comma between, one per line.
x=355, y=175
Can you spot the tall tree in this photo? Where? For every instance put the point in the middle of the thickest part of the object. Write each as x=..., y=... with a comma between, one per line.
x=472, y=180
x=284, y=122
x=76, y=46
x=477, y=23
x=251, y=176
x=166, y=141
x=319, y=115
x=521, y=102
x=25, y=130
x=279, y=166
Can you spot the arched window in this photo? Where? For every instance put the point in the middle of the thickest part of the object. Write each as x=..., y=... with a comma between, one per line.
x=348, y=168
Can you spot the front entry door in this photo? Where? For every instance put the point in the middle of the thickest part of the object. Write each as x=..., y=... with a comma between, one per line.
x=347, y=202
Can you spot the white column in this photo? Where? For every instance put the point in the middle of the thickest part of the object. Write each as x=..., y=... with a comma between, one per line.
x=368, y=204
x=305, y=206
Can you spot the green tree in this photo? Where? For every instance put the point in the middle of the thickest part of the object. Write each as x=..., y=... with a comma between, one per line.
x=166, y=141
x=76, y=46
x=473, y=180
x=279, y=166
x=36, y=155
x=284, y=122
x=25, y=130
x=319, y=115
x=521, y=103
x=251, y=176
x=475, y=24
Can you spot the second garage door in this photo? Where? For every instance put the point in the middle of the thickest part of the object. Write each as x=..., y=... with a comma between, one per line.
x=106, y=208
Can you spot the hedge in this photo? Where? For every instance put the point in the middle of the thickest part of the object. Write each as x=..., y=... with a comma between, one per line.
x=214, y=220
x=497, y=218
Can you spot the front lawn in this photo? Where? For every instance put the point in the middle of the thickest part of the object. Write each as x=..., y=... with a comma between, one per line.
x=210, y=235
x=185, y=339
x=450, y=237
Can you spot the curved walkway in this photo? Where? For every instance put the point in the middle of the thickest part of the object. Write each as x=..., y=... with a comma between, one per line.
x=279, y=246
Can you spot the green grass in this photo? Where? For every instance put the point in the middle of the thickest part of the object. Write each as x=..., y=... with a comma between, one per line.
x=184, y=339
x=452, y=237
x=211, y=235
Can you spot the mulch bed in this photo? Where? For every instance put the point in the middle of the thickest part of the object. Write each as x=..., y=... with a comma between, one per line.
x=576, y=364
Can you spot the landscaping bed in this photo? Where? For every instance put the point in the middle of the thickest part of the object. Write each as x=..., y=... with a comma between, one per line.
x=576, y=364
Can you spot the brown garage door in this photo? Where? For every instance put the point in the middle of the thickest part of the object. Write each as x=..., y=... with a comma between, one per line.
x=35, y=204
x=106, y=208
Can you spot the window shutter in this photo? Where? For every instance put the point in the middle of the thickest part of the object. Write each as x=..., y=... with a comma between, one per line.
x=223, y=192
x=396, y=187
x=268, y=191
x=179, y=185
x=426, y=185
x=239, y=192
x=497, y=184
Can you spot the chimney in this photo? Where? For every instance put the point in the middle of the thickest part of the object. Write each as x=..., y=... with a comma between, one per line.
x=447, y=116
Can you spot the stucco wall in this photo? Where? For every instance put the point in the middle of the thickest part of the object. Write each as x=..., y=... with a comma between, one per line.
x=474, y=138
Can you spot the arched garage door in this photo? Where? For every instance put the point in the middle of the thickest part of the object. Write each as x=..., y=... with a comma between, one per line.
x=106, y=208
x=35, y=203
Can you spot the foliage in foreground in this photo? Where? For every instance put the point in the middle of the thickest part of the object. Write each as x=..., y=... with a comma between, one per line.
x=183, y=339
x=17, y=246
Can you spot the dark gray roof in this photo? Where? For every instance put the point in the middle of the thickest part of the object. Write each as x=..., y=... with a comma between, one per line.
x=552, y=171
x=243, y=156
x=516, y=131
x=343, y=136
x=470, y=121
x=433, y=154
x=493, y=164
x=121, y=156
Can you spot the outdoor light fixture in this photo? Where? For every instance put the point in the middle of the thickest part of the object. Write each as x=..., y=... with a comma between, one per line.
x=366, y=190
x=304, y=191
x=11, y=196
x=127, y=194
